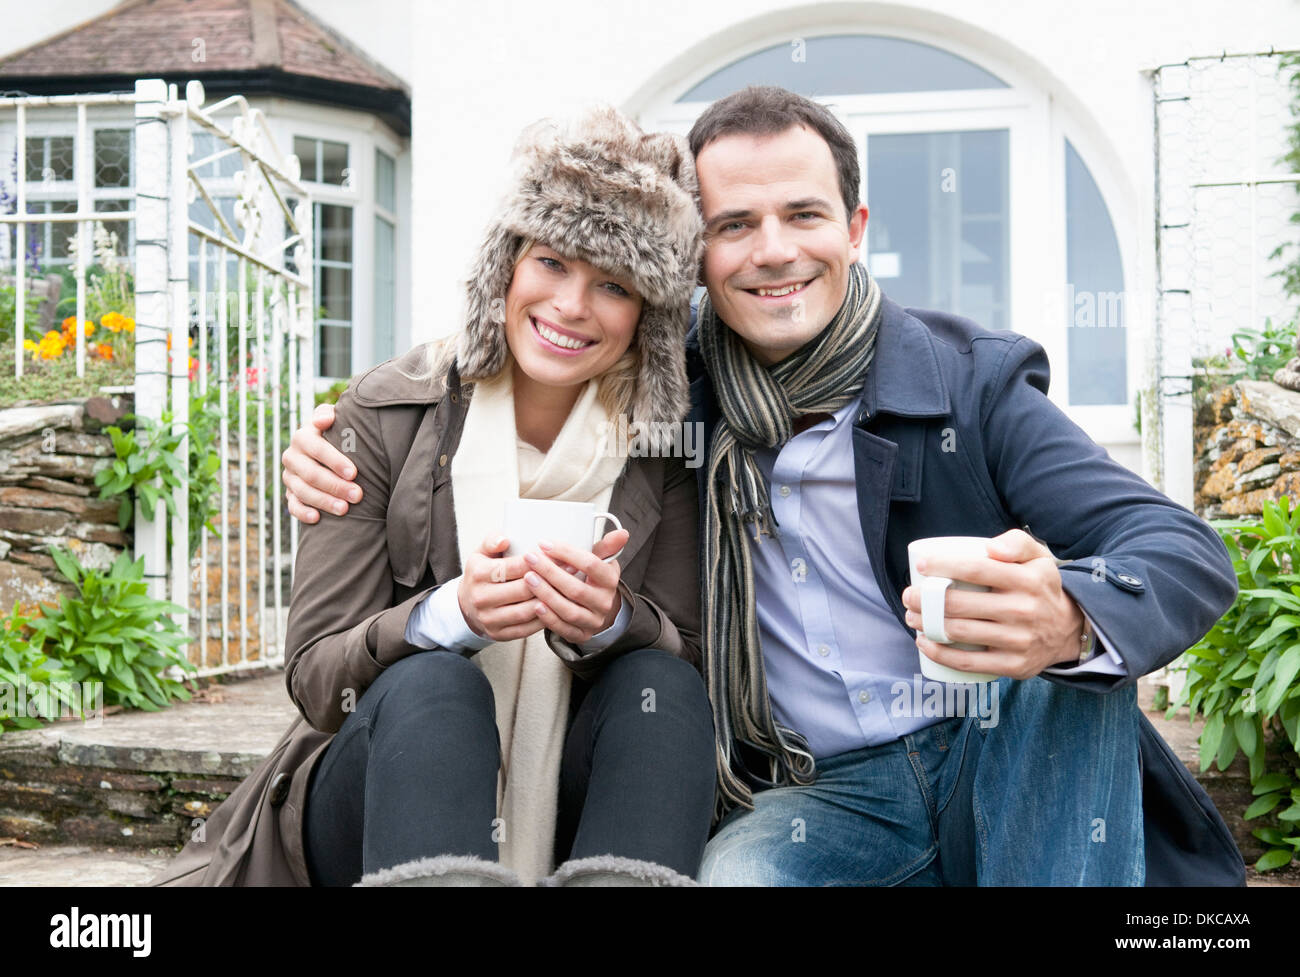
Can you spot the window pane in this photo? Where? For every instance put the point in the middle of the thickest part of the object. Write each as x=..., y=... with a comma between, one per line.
x=206, y=144
x=334, y=230
x=385, y=181
x=112, y=157
x=121, y=228
x=334, y=163
x=305, y=150
x=938, y=236
x=385, y=290
x=61, y=233
x=49, y=158
x=1097, y=328
x=335, y=351
x=847, y=64
x=336, y=292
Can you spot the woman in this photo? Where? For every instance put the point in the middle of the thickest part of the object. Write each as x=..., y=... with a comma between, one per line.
x=579, y=734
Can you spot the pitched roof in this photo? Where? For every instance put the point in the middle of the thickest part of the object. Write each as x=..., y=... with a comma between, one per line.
x=253, y=46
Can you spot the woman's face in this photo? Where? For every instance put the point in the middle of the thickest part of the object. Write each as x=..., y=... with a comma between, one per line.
x=567, y=321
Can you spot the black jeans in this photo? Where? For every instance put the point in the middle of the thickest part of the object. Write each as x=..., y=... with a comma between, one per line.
x=412, y=773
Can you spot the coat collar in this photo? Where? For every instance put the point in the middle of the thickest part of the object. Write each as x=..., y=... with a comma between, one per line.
x=904, y=377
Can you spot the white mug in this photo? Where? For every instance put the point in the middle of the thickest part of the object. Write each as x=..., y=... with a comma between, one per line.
x=933, y=589
x=574, y=523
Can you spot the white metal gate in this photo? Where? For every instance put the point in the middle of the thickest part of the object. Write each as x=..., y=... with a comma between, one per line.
x=229, y=273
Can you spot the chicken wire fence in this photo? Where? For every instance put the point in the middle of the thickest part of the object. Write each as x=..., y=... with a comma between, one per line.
x=1224, y=199
x=197, y=209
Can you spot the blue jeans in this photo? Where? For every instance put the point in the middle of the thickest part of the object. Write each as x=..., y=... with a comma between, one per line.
x=1049, y=795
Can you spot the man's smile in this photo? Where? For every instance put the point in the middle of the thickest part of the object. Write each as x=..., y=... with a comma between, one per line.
x=782, y=291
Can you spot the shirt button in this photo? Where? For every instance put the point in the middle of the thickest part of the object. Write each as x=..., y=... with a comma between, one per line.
x=785, y=491
x=823, y=650
x=864, y=696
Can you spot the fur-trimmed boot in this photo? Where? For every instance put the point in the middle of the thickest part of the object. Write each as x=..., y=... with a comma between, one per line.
x=612, y=870
x=458, y=870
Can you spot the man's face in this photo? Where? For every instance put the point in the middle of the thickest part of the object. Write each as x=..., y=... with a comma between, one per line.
x=778, y=246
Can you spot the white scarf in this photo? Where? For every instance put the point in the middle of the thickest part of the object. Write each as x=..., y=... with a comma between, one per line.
x=529, y=682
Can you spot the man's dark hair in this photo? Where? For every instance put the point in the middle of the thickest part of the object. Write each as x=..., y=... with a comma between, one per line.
x=763, y=110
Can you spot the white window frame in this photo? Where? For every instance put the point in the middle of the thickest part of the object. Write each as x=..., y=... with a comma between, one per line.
x=64, y=124
x=362, y=136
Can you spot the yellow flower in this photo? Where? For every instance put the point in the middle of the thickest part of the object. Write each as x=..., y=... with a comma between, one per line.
x=29, y=345
x=112, y=321
x=128, y=324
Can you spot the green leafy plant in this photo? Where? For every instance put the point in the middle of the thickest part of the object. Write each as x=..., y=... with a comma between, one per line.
x=1263, y=351
x=115, y=633
x=149, y=451
x=9, y=315
x=204, y=463
x=26, y=674
x=1244, y=675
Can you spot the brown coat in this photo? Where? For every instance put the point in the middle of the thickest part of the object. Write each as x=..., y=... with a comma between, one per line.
x=359, y=576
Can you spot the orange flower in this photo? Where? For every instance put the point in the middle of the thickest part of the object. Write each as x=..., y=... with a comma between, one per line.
x=51, y=346
x=105, y=351
x=70, y=329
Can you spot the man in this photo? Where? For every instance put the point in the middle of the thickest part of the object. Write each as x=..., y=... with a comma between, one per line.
x=840, y=427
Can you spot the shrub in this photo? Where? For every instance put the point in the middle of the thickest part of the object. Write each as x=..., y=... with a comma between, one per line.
x=115, y=633
x=1244, y=675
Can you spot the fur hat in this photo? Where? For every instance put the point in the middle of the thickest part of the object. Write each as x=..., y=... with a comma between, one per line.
x=602, y=191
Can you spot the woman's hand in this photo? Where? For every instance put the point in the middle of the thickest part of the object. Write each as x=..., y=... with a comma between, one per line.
x=574, y=608
x=494, y=598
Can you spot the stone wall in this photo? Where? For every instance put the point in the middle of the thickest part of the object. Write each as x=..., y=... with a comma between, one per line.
x=49, y=454
x=1248, y=449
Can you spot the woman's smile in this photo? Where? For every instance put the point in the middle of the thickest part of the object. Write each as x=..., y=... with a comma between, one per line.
x=561, y=342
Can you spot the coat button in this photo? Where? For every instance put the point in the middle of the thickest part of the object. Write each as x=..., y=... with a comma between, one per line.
x=279, y=788
x=1129, y=579
x=455, y=398
x=442, y=461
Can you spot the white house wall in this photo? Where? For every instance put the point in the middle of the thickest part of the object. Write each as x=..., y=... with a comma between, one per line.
x=496, y=66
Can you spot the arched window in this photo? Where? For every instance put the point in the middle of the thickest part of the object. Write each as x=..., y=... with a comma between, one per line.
x=979, y=204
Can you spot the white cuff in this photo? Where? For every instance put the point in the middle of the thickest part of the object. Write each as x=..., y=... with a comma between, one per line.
x=437, y=622
x=1106, y=661
x=604, y=639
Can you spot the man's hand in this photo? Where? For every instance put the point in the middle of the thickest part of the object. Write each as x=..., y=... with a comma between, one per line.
x=307, y=475
x=494, y=598
x=574, y=608
x=1026, y=620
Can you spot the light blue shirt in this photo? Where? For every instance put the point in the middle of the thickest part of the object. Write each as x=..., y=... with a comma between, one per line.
x=841, y=669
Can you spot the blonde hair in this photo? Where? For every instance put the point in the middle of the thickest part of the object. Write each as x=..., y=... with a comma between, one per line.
x=616, y=386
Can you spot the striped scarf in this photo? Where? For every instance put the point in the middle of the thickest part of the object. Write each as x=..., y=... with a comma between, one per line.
x=759, y=407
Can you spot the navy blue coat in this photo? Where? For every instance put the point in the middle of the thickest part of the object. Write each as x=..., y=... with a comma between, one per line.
x=955, y=436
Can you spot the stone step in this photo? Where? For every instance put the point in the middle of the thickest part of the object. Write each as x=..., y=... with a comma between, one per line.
x=137, y=779
x=115, y=799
